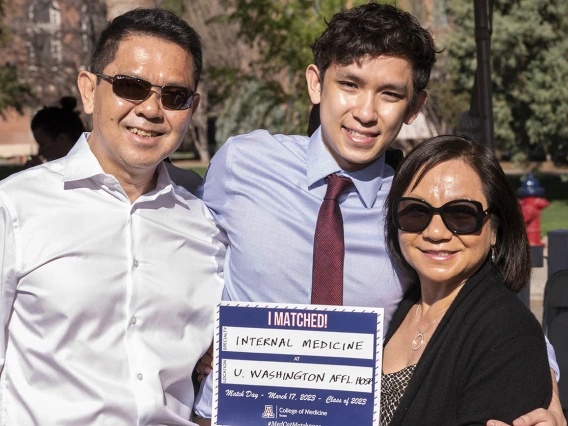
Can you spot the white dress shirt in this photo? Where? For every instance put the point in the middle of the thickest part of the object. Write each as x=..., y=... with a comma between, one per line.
x=106, y=306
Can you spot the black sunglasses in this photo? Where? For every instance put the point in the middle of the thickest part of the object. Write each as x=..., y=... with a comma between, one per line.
x=137, y=90
x=459, y=216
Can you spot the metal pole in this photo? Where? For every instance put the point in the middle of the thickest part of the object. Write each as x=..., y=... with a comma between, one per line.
x=485, y=92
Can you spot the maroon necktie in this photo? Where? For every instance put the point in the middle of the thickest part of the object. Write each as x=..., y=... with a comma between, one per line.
x=329, y=248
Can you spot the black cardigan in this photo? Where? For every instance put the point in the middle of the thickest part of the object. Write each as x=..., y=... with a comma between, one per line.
x=486, y=360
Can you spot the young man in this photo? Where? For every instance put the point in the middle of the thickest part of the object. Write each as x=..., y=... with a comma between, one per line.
x=371, y=67
x=109, y=273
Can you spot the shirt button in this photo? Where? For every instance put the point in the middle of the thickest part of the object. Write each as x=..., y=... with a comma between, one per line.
x=135, y=263
x=133, y=320
x=139, y=376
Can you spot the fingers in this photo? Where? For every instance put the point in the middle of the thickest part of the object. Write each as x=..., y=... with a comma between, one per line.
x=206, y=361
x=203, y=368
x=540, y=417
x=205, y=364
x=202, y=371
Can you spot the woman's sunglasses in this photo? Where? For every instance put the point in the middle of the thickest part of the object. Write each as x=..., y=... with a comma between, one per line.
x=459, y=216
x=138, y=90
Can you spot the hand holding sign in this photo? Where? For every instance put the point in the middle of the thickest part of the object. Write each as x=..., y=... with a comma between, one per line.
x=297, y=365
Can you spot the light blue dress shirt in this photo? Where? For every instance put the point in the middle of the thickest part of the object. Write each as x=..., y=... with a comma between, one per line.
x=265, y=191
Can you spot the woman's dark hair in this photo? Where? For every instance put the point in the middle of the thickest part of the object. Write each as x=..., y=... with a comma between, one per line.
x=512, y=250
x=55, y=121
x=371, y=30
x=147, y=22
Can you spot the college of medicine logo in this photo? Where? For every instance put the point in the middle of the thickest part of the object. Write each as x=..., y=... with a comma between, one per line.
x=268, y=412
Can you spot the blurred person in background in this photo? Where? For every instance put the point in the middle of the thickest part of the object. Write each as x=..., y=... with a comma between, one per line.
x=55, y=129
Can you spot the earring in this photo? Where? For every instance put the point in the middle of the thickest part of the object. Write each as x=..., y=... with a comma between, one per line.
x=492, y=254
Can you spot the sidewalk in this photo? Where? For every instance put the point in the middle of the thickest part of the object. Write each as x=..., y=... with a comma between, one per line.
x=545, y=167
x=190, y=164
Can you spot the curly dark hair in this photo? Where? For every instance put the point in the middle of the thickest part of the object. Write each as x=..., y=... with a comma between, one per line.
x=147, y=22
x=371, y=30
x=512, y=249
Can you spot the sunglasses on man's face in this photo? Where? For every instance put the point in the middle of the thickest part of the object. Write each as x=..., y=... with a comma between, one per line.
x=137, y=90
x=459, y=216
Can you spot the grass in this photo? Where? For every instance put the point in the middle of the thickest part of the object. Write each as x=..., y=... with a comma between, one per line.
x=200, y=170
x=555, y=216
x=7, y=170
x=555, y=187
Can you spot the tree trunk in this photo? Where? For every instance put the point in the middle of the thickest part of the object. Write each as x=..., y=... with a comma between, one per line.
x=220, y=50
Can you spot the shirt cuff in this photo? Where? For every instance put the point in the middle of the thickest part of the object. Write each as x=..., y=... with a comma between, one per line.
x=203, y=405
x=552, y=359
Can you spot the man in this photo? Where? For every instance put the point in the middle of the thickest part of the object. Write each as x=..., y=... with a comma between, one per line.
x=109, y=273
x=371, y=67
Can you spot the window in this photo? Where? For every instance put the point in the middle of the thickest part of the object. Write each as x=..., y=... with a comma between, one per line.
x=45, y=32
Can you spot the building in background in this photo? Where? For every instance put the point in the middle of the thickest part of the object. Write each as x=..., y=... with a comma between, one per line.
x=53, y=40
x=50, y=41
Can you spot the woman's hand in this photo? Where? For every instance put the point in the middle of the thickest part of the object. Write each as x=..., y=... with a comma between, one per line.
x=539, y=417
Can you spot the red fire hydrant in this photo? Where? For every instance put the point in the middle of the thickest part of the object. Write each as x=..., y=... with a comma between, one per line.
x=532, y=203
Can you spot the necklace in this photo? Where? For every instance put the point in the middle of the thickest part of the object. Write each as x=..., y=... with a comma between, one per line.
x=418, y=340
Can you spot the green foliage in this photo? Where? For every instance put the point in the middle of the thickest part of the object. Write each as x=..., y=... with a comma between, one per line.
x=14, y=92
x=282, y=33
x=529, y=54
x=255, y=102
x=175, y=6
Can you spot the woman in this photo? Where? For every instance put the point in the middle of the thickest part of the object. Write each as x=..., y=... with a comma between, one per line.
x=461, y=348
x=55, y=130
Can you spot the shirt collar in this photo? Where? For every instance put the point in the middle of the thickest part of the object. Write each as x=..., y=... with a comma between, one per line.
x=320, y=164
x=164, y=184
x=81, y=164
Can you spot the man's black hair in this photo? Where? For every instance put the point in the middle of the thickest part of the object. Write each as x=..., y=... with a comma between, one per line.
x=147, y=22
x=371, y=30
